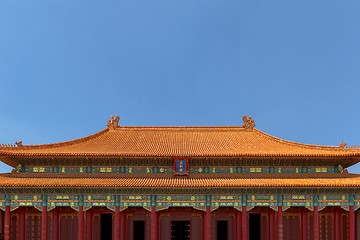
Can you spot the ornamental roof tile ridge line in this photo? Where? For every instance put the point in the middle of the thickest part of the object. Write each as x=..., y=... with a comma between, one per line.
x=305, y=145
x=179, y=142
x=90, y=137
x=162, y=128
x=56, y=144
x=184, y=183
x=171, y=176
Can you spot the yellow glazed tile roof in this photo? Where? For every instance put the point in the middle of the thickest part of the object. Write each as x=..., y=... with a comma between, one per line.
x=179, y=142
x=198, y=183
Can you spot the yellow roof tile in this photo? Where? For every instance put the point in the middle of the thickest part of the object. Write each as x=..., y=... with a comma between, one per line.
x=179, y=142
x=198, y=183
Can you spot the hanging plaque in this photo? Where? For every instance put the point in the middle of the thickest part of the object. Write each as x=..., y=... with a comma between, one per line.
x=181, y=166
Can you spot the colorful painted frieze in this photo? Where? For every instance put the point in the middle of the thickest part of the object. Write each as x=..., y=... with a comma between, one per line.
x=135, y=200
x=262, y=200
x=297, y=200
x=226, y=200
x=173, y=200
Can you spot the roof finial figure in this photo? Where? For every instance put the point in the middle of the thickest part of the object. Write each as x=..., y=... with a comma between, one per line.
x=19, y=144
x=113, y=122
x=249, y=123
x=342, y=145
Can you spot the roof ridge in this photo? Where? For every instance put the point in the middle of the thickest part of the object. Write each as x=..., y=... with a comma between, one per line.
x=183, y=183
x=180, y=127
x=299, y=144
x=57, y=144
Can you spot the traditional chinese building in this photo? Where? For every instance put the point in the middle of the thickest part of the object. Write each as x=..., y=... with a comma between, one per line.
x=179, y=183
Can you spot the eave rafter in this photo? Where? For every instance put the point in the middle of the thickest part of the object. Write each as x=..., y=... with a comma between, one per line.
x=167, y=191
x=168, y=161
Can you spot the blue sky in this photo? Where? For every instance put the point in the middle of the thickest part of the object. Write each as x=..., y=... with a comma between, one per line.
x=67, y=65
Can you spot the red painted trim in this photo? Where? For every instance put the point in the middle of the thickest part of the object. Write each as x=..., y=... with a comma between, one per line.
x=21, y=226
x=190, y=226
x=204, y=226
x=207, y=223
x=117, y=223
x=153, y=224
x=55, y=227
x=357, y=216
x=304, y=224
x=244, y=223
x=81, y=223
x=272, y=225
x=337, y=223
x=238, y=225
x=316, y=223
x=280, y=223
x=44, y=220
x=202, y=223
x=1, y=223
x=89, y=224
x=122, y=225
x=7, y=223
x=351, y=223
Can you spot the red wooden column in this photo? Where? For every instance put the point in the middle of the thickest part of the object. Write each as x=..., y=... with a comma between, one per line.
x=55, y=224
x=1, y=223
x=117, y=223
x=316, y=223
x=351, y=223
x=272, y=226
x=21, y=226
x=207, y=223
x=89, y=224
x=44, y=221
x=153, y=223
x=280, y=223
x=244, y=222
x=337, y=213
x=7, y=223
x=304, y=224
x=81, y=223
x=238, y=224
x=357, y=216
x=122, y=225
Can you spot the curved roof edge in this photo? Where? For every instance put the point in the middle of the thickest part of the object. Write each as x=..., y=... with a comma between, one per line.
x=185, y=141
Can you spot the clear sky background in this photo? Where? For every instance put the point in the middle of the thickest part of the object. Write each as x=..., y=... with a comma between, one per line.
x=67, y=65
